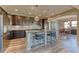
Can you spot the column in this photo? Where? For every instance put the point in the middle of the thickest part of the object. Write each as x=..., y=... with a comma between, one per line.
x=57, y=29
x=50, y=25
x=28, y=40
x=45, y=31
x=78, y=27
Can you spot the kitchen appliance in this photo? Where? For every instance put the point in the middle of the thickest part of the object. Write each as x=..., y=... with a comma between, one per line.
x=1, y=33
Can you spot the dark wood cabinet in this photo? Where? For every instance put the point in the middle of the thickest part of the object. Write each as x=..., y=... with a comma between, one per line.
x=22, y=21
x=18, y=20
x=14, y=19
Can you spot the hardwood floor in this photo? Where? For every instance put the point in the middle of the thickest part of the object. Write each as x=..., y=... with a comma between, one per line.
x=16, y=45
x=64, y=45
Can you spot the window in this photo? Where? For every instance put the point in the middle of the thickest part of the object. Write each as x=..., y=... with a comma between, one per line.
x=67, y=24
x=74, y=23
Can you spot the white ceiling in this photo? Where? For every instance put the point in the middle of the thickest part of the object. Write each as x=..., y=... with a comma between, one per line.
x=41, y=10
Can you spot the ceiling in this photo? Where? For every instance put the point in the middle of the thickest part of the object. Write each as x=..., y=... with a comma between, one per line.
x=36, y=10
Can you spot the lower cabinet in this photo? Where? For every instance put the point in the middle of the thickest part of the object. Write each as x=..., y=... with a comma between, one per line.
x=16, y=34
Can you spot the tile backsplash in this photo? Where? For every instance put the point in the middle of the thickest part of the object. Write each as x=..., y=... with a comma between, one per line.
x=23, y=27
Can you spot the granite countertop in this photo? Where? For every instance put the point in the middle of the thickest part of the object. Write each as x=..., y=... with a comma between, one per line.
x=37, y=30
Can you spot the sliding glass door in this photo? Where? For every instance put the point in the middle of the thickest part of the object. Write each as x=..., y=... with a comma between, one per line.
x=1, y=33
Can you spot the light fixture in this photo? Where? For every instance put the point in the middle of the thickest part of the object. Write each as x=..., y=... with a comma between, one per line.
x=30, y=13
x=36, y=5
x=36, y=18
x=32, y=8
x=39, y=15
x=15, y=10
x=47, y=16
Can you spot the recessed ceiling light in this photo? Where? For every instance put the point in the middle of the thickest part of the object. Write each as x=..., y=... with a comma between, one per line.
x=46, y=16
x=45, y=11
x=39, y=15
x=15, y=10
x=32, y=8
x=30, y=13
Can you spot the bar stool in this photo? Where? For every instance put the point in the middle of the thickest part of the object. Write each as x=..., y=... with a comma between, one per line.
x=38, y=38
x=52, y=36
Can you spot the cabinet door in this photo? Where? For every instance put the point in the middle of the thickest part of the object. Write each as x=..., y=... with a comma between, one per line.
x=5, y=41
x=1, y=33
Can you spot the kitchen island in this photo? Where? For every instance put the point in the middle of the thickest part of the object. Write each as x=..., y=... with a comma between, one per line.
x=37, y=38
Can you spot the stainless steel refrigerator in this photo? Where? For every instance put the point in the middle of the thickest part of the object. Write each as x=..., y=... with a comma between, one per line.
x=1, y=33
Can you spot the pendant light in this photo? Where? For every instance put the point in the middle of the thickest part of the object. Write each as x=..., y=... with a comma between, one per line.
x=36, y=18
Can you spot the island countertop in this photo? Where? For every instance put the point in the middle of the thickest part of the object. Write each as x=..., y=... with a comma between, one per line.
x=37, y=30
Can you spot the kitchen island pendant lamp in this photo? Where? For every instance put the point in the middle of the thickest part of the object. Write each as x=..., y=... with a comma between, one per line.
x=36, y=18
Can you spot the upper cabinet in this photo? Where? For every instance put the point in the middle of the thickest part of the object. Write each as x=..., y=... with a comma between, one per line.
x=23, y=21
x=19, y=20
x=29, y=22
